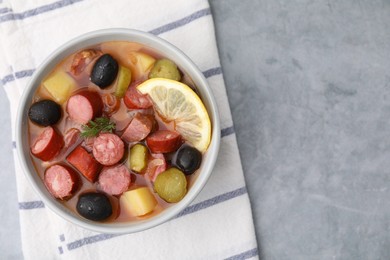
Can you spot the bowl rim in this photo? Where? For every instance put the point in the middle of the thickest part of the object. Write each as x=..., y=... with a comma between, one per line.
x=160, y=45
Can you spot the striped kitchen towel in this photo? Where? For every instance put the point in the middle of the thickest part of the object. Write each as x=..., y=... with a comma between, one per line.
x=218, y=224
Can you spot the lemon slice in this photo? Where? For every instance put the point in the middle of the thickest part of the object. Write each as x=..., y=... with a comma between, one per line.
x=177, y=102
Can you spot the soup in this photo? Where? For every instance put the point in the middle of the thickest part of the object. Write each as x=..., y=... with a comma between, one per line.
x=117, y=132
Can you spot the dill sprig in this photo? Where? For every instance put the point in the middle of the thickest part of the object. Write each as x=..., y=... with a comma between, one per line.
x=100, y=124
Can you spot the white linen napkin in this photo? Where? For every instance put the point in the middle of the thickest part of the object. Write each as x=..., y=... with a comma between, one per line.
x=218, y=224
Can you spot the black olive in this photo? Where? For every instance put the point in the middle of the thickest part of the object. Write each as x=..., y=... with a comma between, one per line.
x=94, y=206
x=104, y=71
x=188, y=159
x=45, y=112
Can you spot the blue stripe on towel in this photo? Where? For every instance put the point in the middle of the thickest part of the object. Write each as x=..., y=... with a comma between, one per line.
x=227, y=131
x=90, y=240
x=18, y=75
x=7, y=79
x=5, y=10
x=31, y=205
x=37, y=11
x=245, y=255
x=212, y=72
x=181, y=22
x=212, y=201
x=201, y=205
x=24, y=73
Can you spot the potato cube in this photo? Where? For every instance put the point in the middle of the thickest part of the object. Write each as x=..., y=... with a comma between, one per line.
x=139, y=201
x=141, y=62
x=60, y=85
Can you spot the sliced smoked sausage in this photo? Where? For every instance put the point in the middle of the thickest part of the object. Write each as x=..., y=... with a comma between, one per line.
x=114, y=180
x=108, y=149
x=111, y=103
x=136, y=100
x=138, y=129
x=156, y=165
x=84, y=106
x=71, y=137
x=84, y=163
x=164, y=141
x=48, y=144
x=82, y=59
x=61, y=181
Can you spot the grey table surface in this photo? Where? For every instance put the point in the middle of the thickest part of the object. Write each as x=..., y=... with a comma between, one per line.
x=309, y=89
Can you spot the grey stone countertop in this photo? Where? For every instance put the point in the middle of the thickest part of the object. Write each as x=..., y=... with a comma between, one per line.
x=309, y=89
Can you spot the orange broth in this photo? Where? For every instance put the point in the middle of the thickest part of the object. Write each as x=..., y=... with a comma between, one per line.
x=121, y=118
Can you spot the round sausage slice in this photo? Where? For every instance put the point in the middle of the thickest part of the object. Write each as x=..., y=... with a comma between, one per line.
x=61, y=181
x=164, y=141
x=114, y=180
x=48, y=144
x=136, y=100
x=138, y=129
x=84, y=106
x=108, y=149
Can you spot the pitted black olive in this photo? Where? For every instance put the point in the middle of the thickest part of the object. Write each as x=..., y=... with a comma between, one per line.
x=188, y=159
x=45, y=112
x=94, y=206
x=104, y=71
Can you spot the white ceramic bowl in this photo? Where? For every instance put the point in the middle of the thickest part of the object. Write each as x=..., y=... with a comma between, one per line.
x=167, y=50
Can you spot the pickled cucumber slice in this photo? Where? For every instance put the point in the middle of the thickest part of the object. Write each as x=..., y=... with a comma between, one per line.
x=124, y=79
x=165, y=68
x=171, y=185
x=138, y=157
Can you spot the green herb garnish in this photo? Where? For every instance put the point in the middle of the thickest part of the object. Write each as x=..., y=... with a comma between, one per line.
x=100, y=124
